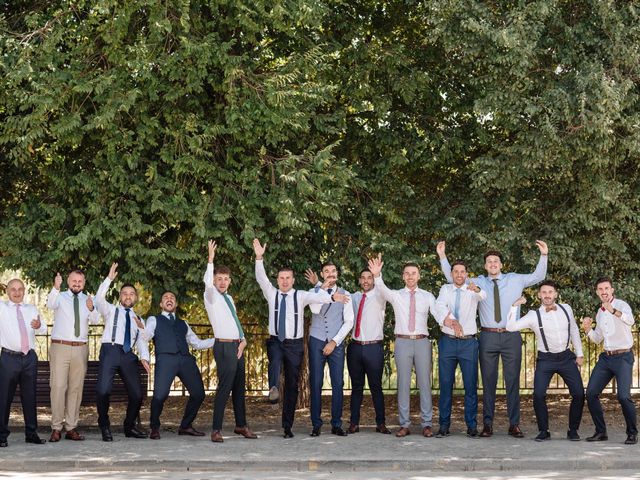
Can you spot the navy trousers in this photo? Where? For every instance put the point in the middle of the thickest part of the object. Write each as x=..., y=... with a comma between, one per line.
x=317, y=361
x=609, y=366
x=366, y=360
x=564, y=364
x=17, y=369
x=451, y=353
x=290, y=353
x=274, y=355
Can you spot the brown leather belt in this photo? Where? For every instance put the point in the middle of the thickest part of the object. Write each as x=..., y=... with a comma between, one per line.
x=228, y=340
x=494, y=330
x=617, y=352
x=71, y=344
x=366, y=342
x=411, y=337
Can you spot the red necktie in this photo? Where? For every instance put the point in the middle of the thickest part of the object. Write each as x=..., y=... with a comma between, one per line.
x=412, y=311
x=359, y=317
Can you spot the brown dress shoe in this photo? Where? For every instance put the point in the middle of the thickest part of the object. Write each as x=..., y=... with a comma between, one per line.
x=245, y=432
x=353, y=428
x=155, y=434
x=55, y=436
x=487, y=431
x=190, y=431
x=427, y=432
x=514, y=431
x=403, y=432
x=382, y=428
x=73, y=434
x=216, y=436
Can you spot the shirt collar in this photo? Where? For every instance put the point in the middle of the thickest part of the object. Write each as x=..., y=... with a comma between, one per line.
x=166, y=314
x=14, y=304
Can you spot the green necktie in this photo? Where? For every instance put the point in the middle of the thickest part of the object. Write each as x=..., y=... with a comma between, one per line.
x=235, y=315
x=497, y=313
x=76, y=314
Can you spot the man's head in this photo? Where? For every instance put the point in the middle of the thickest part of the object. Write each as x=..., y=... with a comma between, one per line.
x=222, y=278
x=329, y=273
x=411, y=275
x=604, y=289
x=459, y=273
x=15, y=290
x=366, y=280
x=128, y=295
x=548, y=292
x=76, y=281
x=168, y=301
x=493, y=262
x=285, y=279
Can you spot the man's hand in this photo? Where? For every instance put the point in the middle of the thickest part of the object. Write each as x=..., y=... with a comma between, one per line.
x=579, y=361
x=139, y=323
x=473, y=287
x=212, y=250
x=440, y=249
x=341, y=298
x=520, y=301
x=57, y=282
x=241, y=347
x=258, y=249
x=147, y=367
x=608, y=307
x=454, y=325
x=375, y=265
x=311, y=276
x=544, y=249
x=329, y=348
x=113, y=271
x=89, y=302
x=36, y=323
x=587, y=324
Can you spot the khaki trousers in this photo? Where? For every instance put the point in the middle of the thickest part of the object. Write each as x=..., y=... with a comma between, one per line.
x=68, y=368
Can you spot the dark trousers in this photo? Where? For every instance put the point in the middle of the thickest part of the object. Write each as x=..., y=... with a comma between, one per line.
x=113, y=360
x=317, y=362
x=451, y=353
x=564, y=364
x=18, y=369
x=231, y=381
x=493, y=346
x=168, y=367
x=274, y=356
x=291, y=353
x=609, y=366
x=366, y=360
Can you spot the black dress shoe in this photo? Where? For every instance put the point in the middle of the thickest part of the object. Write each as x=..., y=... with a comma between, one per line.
x=382, y=428
x=315, y=432
x=472, y=432
x=3, y=444
x=632, y=439
x=542, y=436
x=106, y=434
x=573, y=436
x=35, y=440
x=598, y=437
x=443, y=432
x=288, y=433
x=134, y=433
x=339, y=431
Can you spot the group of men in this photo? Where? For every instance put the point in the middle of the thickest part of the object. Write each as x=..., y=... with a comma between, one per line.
x=497, y=296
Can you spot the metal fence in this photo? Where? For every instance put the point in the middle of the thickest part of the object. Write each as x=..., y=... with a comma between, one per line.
x=256, y=363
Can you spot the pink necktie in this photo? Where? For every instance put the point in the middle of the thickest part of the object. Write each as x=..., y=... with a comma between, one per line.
x=412, y=311
x=24, y=338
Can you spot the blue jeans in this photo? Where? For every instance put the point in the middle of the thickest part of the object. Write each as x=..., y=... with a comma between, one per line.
x=317, y=362
x=451, y=353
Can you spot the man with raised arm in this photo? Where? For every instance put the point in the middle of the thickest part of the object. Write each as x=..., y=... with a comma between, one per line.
x=496, y=342
x=286, y=327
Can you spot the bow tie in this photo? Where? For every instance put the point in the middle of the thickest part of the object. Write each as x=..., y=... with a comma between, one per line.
x=552, y=308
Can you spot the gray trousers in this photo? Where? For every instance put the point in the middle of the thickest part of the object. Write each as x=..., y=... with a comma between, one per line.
x=507, y=345
x=409, y=354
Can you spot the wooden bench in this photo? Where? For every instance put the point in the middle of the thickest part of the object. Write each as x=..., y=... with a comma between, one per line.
x=118, y=393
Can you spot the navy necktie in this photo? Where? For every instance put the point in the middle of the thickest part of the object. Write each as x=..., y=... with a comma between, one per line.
x=126, y=346
x=282, y=318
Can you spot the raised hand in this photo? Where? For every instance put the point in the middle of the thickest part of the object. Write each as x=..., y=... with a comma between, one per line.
x=587, y=323
x=521, y=301
x=544, y=249
x=90, y=303
x=113, y=271
x=473, y=287
x=57, y=282
x=212, y=250
x=375, y=265
x=341, y=298
x=36, y=323
x=258, y=249
x=607, y=306
x=440, y=249
x=311, y=276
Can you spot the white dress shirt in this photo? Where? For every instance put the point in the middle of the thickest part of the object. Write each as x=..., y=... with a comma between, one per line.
x=468, y=308
x=219, y=313
x=10, y=329
x=347, y=315
x=108, y=311
x=400, y=300
x=64, y=319
x=372, y=320
x=616, y=332
x=304, y=299
x=555, y=326
x=192, y=339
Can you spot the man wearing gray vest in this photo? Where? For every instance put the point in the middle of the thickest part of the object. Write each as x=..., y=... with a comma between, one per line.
x=330, y=324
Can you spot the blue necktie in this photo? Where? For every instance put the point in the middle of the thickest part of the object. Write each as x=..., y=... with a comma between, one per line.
x=126, y=346
x=456, y=308
x=282, y=318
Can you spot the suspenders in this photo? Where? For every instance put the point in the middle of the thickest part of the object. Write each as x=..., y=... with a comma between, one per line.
x=295, y=313
x=115, y=327
x=544, y=338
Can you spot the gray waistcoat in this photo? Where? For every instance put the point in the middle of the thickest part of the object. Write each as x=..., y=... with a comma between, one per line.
x=326, y=324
